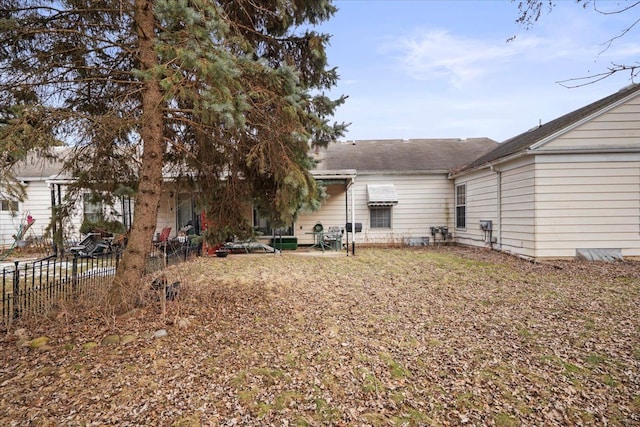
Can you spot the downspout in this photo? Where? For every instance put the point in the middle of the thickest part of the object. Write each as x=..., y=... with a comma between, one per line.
x=499, y=207
x=353, y=218
x=60, y=219
x=54, y=227
x=346, y=211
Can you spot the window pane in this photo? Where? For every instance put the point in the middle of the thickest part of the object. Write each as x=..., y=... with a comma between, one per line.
x=461, y=206
x=8, y=205
x=184, y=210
x=461, y=195
x=92, y=209
x=380, y=217
x=461, y=217
x=263, y=226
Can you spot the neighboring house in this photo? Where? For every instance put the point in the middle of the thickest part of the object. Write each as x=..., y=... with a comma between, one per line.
x=46, y=187
x=570, y=187
x=397, y=189
x=36, y=175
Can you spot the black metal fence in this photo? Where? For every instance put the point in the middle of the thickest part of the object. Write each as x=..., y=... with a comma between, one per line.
x=167, y=254
x=36, y=287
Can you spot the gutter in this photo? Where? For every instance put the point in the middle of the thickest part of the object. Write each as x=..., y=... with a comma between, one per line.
x=404, y=172
x=490, y=164
x=334, y=174
x=595, y=150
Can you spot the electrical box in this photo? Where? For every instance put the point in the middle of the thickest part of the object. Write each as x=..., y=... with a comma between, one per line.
x=486, y=225
x=358, y=227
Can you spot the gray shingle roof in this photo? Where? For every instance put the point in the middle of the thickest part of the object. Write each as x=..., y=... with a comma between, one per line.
x=397, y=155
x=525, y=140
x=37, y=168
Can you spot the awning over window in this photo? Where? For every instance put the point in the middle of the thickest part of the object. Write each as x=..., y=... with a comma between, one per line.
x=382, y=195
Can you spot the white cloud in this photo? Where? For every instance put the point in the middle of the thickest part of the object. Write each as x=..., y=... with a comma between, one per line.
x=439, y=54
x=461, y=61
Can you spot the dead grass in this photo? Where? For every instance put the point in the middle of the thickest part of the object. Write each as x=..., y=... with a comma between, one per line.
x=393, y=337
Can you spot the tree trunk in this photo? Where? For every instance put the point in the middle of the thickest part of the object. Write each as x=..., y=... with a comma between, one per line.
x=124, y=291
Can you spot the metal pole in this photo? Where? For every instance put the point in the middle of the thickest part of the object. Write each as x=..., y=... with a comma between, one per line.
x=353, y=218
x=54, y=220
x=346, y=210
x=60, y=219
x=16, y=290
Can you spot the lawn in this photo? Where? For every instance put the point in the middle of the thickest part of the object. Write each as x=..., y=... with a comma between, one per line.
x=390, y=337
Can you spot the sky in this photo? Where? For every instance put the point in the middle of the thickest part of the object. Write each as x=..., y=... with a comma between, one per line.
x=445, y=69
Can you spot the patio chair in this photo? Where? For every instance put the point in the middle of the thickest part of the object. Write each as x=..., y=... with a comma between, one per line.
x=333, y=238
x=163, y=237
x=90, y=246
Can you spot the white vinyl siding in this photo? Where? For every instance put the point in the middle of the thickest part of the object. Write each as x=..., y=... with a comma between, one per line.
x=585, y=203
x=423, y=201
x=8, y=227
x=331, y=214
x=38, y=205
x=481, y=204
x=518, y=229
x=618, y=127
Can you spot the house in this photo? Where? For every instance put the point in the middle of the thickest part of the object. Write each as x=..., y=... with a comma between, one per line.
x=567, y=188
x=396, y=189
x=46, y=187
x=38, y=176
x=570, y=187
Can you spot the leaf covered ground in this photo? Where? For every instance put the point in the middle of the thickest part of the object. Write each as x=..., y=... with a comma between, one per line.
x=391, y=337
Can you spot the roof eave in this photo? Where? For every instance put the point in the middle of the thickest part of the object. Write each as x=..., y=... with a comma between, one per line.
x=490, y=164
x=334, y=174
x=587, y=150
x=405, y=172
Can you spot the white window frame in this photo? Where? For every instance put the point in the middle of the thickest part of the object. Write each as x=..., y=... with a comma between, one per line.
x=385, y=223
x=91, y=211
x=461, y=206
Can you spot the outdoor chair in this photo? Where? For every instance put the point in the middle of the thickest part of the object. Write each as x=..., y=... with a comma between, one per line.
x=163, y=237
x=333, y=238
x=91, y=245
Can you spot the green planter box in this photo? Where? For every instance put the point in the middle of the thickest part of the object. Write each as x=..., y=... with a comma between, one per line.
x=286, y=243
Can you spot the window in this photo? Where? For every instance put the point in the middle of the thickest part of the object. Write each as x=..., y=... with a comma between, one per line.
x=8, y=205
x=92, y=208
x=184, y=210
x=380, y=199
x=380, y=216
x=461, y=206
x=262, y=225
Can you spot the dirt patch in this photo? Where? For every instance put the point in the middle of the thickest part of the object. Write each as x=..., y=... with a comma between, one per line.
x=425, y=336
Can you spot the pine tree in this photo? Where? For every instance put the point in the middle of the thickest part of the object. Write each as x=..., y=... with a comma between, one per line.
x=227, y=94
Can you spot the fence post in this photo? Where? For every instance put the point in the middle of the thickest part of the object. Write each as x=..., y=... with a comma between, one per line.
x=16, y=290
x=74, y=273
